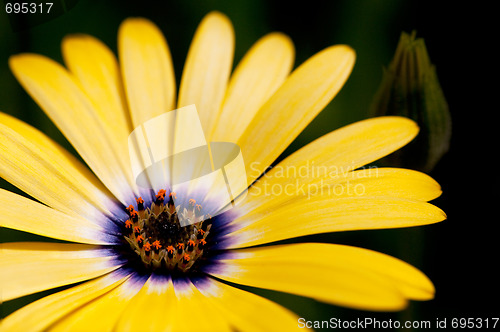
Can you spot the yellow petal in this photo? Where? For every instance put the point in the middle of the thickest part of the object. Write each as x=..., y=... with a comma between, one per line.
x=330, y=158
x=323, y=214
x=147, y=69
x=179, y=307
x=189, y=300
x=261, y=71
x=303, y=184
x=26, y=215
x=39, y=315
x=40, y=167
x=152, y=307
x=392, y=182
x=101, y=314
x=347, y=148
x=301, y=97
x=96, y=69
x=241, y=308
x=342, y=275
x=387, y=182
x=61, y=97
x=35, y=266
x=207, y=68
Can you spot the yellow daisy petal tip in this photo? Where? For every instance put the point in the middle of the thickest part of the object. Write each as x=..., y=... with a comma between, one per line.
x=433, y=187
x=217, y=16
x=31, y=63
x=18, y=61
x=76, y=39
x=139, y=27
x=26, y=66
x=76, y=42
x=343, y=48
x=282, y=39
x=428, y=292
x=443, y=214
x=342, y=52
x=216, y=21
x=405, y=125
x=129, y=22
x=434, y=214
x=412, y=126
x=76, y=46
x=342, y=55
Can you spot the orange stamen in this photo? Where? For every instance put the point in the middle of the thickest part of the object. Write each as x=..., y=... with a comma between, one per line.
x=191, y=245
x=161, y=195
x=129, y=209
x=157, y=245
x=140, y=205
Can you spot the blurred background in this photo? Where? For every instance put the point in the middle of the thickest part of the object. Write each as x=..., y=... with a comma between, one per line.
x=460, y=255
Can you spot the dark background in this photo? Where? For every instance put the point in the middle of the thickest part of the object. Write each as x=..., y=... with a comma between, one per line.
x=460, y=255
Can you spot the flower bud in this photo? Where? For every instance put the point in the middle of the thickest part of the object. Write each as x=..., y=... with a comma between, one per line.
x=410, y=88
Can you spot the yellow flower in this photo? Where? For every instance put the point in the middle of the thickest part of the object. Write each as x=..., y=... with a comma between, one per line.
x=96, y=103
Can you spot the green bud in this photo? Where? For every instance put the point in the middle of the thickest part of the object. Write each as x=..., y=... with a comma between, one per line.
x=410, y=88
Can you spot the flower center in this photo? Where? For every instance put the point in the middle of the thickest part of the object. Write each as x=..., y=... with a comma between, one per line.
x=155, y=234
